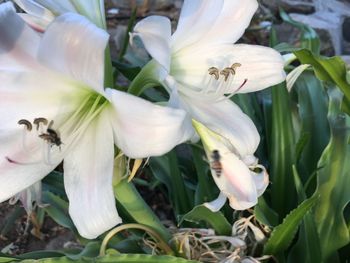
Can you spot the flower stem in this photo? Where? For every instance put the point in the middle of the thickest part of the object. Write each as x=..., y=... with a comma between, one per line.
x=133, y=203
x=160, y=242
x=109, y=80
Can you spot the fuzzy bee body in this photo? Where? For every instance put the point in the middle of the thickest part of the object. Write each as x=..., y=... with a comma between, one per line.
x=51, y=137
x=215, y=164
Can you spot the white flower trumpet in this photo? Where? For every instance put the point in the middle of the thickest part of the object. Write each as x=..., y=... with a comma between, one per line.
x=53, y=106
x=201, y=68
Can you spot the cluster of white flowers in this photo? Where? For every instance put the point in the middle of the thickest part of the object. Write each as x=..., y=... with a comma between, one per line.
x=54, y=106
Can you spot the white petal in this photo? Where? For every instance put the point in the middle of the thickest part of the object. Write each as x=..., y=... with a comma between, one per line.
x=261, y=180
x=216, y=204
x=18, y=42
x=228, y=120
x=236, y=182
x=88, y=172
x=142, y=129
x=75, y=47
x=57, y=7
x=197, y=16
x=23, y=154
x=155, y=32
x=37, y=23
x=17, y=177
x=260, y=66
x=29, y=95
x=34, y=9
x=231, y=22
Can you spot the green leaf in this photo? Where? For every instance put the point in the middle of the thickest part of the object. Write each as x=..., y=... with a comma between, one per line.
x=204, y=191
x=307, y=248
x=283, y=234
x=58, y=260
x=57, y=209
x=216, y=220
x=334, y=181
x=282, y=152
x=166, y=169
x=264, y=214
x=313, y=108
x=136, y=207
x=4, y=260
x=130, y=72
x=328, y=69
x=137, y=258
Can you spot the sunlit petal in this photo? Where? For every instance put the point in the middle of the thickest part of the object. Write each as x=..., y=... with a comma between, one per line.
x=36, y=10
x=79, y=49
x=88, y=180
x=142, y=129
x=231, y=22
x=155, y=32
x=260, y=67
x=228, y=120
x=196, y=18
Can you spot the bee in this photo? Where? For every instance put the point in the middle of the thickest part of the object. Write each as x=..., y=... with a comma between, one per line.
x=215, y=164
x=51, y=137
x=214, y=71
x=25, y=123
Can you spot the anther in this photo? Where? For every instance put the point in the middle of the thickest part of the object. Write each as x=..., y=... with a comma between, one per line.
x=25, y=123
x=226, y=73
x=234, y=66
x=37, y=122
x=213, y=71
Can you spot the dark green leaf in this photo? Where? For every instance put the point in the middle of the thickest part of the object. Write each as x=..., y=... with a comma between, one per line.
x=328, y=69
x=313, y=108
x=283, y=234
x=282, y=152
x=333, y=181
x=215, y=219
x=307, y=248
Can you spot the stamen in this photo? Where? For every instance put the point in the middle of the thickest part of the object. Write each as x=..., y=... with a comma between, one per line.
x=26, y=123
x=214, y=89
x=213, y=71
x=38, y=121
x=226, y=73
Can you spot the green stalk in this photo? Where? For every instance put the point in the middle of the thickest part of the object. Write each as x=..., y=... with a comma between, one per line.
x=133, y=203
x=161, y=244
x=109, y=80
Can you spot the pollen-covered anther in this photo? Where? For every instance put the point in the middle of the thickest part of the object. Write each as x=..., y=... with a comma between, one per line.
x=213, y=71
x=38, y=121
x=234, y=66
x=26, y=123
x=226, y=73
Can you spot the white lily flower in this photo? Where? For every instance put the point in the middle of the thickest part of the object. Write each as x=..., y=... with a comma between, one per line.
x=40, y=13
x=200, y=68
x=53, y=106
x=199, y=65
x=238, y=175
